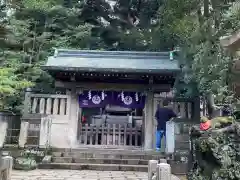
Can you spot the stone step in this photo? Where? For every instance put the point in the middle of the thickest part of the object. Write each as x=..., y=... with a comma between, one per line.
x=99, y=161
x=98, y=167
x=106, y=155
x=105, y=150
x=177, y=168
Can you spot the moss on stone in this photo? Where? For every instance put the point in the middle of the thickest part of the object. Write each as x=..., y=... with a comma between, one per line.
x=216, y=152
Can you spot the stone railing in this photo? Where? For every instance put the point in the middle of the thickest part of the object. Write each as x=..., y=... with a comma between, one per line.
x=55, y=105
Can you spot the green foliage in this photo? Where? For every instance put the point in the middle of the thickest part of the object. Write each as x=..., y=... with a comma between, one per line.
x=35, y=27
x=22, y=163
x=10, y=85
x=216, y=154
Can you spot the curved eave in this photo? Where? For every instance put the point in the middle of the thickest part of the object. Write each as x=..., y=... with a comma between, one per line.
x=111, y=70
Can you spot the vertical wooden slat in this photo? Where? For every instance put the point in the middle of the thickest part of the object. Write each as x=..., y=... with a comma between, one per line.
x=130, y=135
x=34, y=105
x=55, y=106
x=42, y=106
x=182, y=109
x=62, y=106
x=119, y=134
x=49, y=106
x=141, y=134
x=103, y=137
x=189, y=110
x=114, y=134
x=108, y=134
x=91, y=134
x=125, y=135
x=97, y=133
x=175, y=107
x=80, y=133
x=136, y=136
x=86, y=134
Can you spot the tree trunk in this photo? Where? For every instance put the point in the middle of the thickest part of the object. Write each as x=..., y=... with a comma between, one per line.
x=206, y=8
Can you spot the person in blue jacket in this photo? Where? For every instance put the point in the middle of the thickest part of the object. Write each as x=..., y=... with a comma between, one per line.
x=163, y=114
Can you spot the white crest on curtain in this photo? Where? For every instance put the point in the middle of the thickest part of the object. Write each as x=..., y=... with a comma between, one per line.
x=103, y=95
x=122, y=96
x=89, y=95
x=136, y=97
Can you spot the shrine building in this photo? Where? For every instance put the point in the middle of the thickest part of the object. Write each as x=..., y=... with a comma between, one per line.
x=107, y=99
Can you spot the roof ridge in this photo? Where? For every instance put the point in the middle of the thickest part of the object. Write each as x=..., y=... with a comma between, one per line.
x=73, y=52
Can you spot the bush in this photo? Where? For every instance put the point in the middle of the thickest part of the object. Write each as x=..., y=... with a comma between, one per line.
x=216, y=153
x=25, y=163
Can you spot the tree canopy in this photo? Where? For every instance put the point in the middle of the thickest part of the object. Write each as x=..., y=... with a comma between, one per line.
x=30, y=29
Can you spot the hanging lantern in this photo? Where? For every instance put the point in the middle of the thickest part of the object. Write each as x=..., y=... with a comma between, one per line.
x=136, y=97
x=89, y=95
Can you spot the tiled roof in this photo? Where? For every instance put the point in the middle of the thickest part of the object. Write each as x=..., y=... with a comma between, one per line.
x=111, y=61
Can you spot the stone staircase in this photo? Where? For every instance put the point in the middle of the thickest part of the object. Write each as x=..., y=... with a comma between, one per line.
x=103, y=160
x=108, y=160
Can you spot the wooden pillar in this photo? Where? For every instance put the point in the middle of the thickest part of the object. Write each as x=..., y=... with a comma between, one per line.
x=156, y=102
x=148, y=124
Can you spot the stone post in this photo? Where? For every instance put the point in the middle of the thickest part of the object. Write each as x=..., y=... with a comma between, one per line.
x=45, y=132
x=6, y=168
x=152, y=167
x=23, y=134
x=3, y=132
x=170, y=137
x=163, y=171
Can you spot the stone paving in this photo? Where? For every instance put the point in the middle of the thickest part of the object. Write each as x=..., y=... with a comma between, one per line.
x=77, y=175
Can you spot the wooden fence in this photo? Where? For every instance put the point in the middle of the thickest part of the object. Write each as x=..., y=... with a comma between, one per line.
x=111, y=134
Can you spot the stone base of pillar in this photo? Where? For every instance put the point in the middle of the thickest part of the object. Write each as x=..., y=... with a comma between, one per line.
x=152, y=168
x=6, y=167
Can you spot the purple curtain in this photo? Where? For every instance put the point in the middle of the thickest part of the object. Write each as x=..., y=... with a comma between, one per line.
x=101, y=99
x=93, y=99
x=129, y=99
